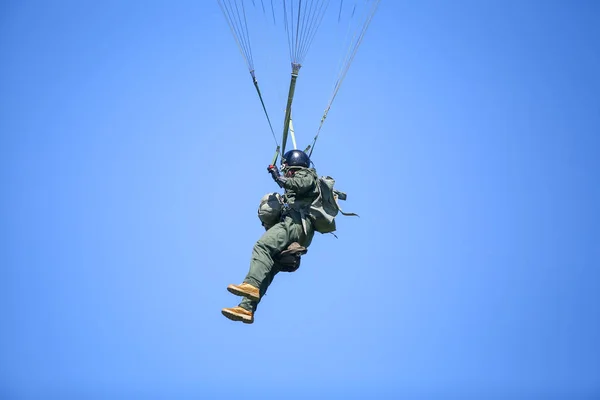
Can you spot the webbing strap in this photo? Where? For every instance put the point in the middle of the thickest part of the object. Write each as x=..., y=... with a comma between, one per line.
x=275, y=156
x=342, y=196
x=263, y=106
x=292, y=133
x=288, y=108
x=311, y=146
x=288, y=111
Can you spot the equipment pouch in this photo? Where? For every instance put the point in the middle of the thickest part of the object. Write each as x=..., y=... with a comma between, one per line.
x=289, y=259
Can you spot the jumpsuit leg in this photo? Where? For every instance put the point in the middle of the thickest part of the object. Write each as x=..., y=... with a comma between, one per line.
x=262, y=269
x=250, y=305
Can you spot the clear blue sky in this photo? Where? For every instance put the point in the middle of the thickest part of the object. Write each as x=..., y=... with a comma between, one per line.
x=133, y=154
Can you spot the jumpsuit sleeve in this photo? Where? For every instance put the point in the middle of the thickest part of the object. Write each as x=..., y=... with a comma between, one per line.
x=301, y=183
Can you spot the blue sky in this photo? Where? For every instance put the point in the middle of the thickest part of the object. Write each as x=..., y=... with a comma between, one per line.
x=134, y=153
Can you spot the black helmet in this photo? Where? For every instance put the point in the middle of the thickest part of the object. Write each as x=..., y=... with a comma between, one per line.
x=296, y=158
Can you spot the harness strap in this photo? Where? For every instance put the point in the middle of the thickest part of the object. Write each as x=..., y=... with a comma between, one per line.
x=335, y=197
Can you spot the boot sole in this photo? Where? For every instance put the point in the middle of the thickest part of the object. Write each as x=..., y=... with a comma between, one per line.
x=238, y=292
x=237, y=317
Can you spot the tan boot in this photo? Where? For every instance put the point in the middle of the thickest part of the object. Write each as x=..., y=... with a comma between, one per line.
x=246, y=290
x=238, y=314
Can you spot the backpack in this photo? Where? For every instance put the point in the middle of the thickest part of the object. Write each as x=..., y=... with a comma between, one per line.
x=325, y=207
x=269, y=209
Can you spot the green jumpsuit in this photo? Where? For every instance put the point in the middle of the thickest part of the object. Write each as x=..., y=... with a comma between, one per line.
x=300, y=191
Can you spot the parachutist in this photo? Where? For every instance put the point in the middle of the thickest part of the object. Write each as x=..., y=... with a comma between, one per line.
x=309, y=203
x=288, y=233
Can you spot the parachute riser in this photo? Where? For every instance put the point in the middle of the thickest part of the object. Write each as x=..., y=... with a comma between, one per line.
x=288, y=108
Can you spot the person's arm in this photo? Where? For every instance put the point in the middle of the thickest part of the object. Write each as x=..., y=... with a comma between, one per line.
x=302, y=182
x=280, y=180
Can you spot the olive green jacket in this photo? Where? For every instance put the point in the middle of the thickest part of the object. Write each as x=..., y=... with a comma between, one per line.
x=301, y=190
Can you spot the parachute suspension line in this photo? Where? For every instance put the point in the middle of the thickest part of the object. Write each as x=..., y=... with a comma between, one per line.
x=247, y=36
x=348, y=31
x=301, y=24
x=298, y=28
x=300, y=45
x=315, y=22
x=287, y=29
x=348, y=61
x=273, y=12
x=355, y=44
x=239, y=29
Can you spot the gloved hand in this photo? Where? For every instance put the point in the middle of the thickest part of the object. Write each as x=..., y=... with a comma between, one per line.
x=273, y=171
x=276, y=177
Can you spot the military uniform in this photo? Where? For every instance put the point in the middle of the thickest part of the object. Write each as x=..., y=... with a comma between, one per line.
x=300, y=190
x=290, y=231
